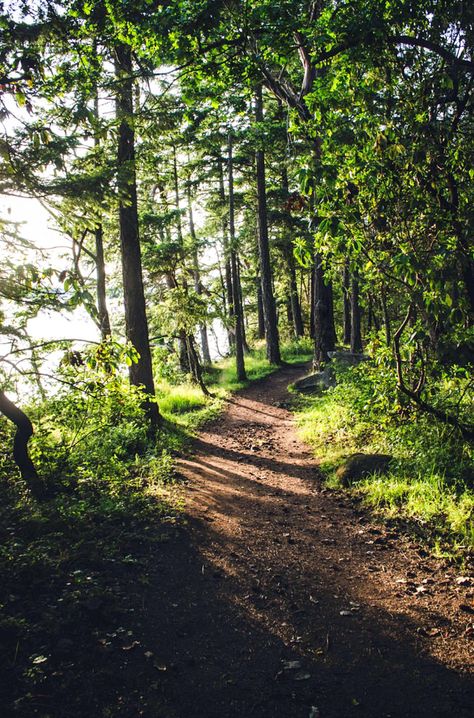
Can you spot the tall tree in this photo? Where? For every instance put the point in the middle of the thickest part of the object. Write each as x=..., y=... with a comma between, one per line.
x=268, y=299
x=136, y=323
x=237, y=309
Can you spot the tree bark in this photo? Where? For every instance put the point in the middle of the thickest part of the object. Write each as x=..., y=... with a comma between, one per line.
x=323, y=325
x=225, y=245
x=386, y=317
x=242, y=310
x=356, y=338
x=206, y=356
x=269, y=308
x=330, y=305
x=103, y=313
x=24, y=430
x=297, y=316
x=346, y=300
x=136, y=323
x=260, y=317
x=312, y=293
x=239, y=346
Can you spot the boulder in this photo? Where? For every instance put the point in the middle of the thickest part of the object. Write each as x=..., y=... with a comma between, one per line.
x=359, y=466
x=319, y=380
x=347, y=358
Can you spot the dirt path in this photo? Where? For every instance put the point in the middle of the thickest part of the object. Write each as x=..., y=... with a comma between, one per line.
x=281, y=599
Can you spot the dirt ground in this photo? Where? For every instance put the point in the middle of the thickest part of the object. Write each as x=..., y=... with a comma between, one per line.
x=282, y=599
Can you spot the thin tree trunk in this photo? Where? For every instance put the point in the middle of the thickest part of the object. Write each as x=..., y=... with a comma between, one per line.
x=295, y=302
x=386, y=317
x=225, y=245
x=346, y=300
x=239, y=346
x=372, y=319
x=196, y=369
x=331, y=324
x=312, y=301
x=206, y=356
x=242, y=310
x=356, y=338
x=103, y=313
x=269, y=308
x=296, y=315
x=260, y=317
x=323, y=327
x=136, y=324
x=24, y=430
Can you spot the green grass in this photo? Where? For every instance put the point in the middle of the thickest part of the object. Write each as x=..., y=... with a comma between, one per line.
x=429, y=484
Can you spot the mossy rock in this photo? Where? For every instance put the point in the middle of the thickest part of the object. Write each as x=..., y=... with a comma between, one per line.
x=314, y=382
x=358, y=466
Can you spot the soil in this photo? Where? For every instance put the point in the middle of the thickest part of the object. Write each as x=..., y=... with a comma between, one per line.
x=283, y=599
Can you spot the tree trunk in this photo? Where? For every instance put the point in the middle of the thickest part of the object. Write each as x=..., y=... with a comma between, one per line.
x=346, y=299
x=296, y=314
x=103, y=313
x=269, y=308
x=260, y=317
x=323, y=324
x=242, y=311
x=294, y=298
x=386, y=317
x=24, y=430
x=206, y=356
x=225, y=245
x=356, y=338
x=331, y=324
x=239, y=345
x=312, y=292
x=196, y=370
x=136, y=324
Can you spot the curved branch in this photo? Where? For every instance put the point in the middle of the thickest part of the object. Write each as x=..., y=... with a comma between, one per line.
x=24, y=430
x=467, y=430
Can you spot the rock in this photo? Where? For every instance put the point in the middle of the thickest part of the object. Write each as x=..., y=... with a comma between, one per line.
x=319, y=380
x=359, y=466
x=347, y=358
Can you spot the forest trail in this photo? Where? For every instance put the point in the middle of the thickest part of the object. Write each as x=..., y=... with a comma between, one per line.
x=282, y=599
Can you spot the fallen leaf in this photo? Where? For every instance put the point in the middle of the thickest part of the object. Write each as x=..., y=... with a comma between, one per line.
x=301, y=676
x=345, y=613
x=463, y=581
x=291, y=665
x=132, y=645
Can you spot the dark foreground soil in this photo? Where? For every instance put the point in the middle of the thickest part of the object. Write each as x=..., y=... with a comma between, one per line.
x=275, y=599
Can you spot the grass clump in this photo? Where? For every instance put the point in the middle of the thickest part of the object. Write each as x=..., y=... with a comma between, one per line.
x=430, y=482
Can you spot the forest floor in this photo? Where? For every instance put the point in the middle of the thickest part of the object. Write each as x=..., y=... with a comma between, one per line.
x=282, y=599
x=273, y=597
